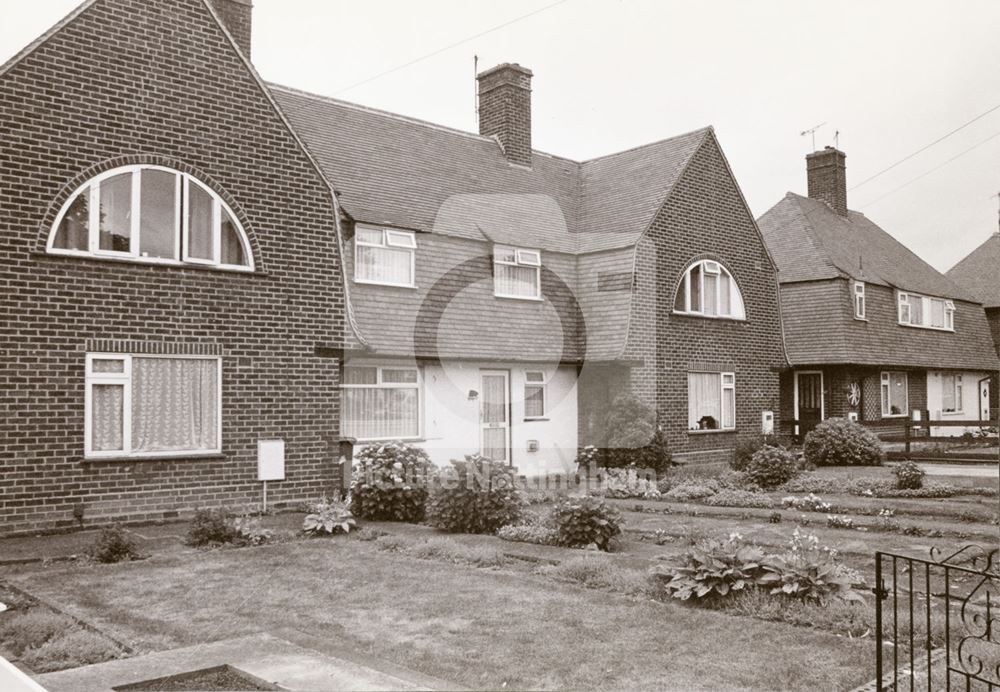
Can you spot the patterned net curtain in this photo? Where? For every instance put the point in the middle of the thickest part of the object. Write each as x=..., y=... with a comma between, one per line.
x=174, y=404
x=704, y=401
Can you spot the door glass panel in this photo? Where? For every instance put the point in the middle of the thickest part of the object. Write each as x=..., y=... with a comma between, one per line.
x=495, y=443
x=199, y=223
x=116, y=213
x=494, y=396
x=158, y=215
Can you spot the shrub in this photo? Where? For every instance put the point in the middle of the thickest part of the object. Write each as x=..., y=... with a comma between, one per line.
x=390, y=483
x=540, y=535
x=811, y=483
x=114, y=544
x=713, y=569
x=909, y=476
x=693, y=490
x=769, y=467
x=22, y=630
x=70, y=649
x=809, y=503
x=744, y=451
x=328, y=517
x=740, y=498
x=774, y=518
x=211, y=527
x=633, y=437
x=841, y=442
x=586, y=521
x=477, y=495
x=835, y=521
x=626, y=483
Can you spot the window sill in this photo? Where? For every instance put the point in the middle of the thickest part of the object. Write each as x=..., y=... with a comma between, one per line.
x=522, y=298
x=895, y=415
x=929, y=329
x=193, y=456
x=359, y=442
x=146, y=262
x=536, y=420
x=860, y=319
x=362, y=282
x=698, y=315
x=711, y=432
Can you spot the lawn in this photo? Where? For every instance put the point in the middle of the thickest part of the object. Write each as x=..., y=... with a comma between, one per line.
x=481, y=628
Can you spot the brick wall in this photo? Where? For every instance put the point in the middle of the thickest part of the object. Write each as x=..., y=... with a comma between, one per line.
x=131, y=80
x=705, y=217
x=237, y=17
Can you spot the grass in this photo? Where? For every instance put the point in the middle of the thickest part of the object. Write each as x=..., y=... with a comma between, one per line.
x=46, y=641
x=521, y=630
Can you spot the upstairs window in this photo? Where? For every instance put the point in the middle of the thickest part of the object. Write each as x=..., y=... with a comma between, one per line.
x=383, y=256
x=709, y=290
x=534, y=395
x=516, y=273
x=859, y=300
x=923, y=311
x=151, y=214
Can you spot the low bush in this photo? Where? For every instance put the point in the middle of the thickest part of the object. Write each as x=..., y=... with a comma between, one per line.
x=211, y=527
x=835, y=521
x=687, y=491
x=477, y=495
x=809, y=503
x=628, y=483
x=27, y=629
x=390, y=483
x=540, y=535
x=599, y=573
x=769, y=467
x=841, y=442
x=809, y=482
x=114, y=544
x=740, y=498
x=327, y=517
x=909, y=476
x=743, y=452
x=586, y=521
x=633, y=437
x=70, y=649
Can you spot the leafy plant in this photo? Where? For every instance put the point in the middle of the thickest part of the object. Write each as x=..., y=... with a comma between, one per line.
x=633, y=437
x=586, y=521
x=744, y=450
x=909, y=476
x=328, y=517
x=809, y=503
x=809, y=571
x=774, y=518
x=390, y=483
x=713, y=569
x=740, y=498
x=540, y=535
x=769, y=467
x=836, y=521
x=842, y=442
x=627, y=483
x=249, y=530
x=114, y=544
x=587, y=457
x=693, y=490
x=211, y=527
x=477, y=495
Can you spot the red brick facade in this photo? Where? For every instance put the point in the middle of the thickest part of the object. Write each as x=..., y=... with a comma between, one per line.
x=155, y=81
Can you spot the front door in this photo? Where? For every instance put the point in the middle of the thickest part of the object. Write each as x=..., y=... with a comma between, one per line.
x=494, y=415
x=808, y=400
x=984, y=400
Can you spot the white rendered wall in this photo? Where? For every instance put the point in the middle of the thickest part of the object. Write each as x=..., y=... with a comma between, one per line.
x=970, y=401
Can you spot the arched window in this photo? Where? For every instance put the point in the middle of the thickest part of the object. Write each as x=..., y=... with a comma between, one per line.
x=151, y=214
x=709, y=290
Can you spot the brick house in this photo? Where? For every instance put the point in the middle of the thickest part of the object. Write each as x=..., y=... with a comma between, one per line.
x=872, y=331
x=169, y=271
x=977, y=274
x=503, y=296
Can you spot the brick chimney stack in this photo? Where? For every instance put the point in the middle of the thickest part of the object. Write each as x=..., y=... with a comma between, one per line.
x=827, y=176
x=505, y=109
x=237, y=16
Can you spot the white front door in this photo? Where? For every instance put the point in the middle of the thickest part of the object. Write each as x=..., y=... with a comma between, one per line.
x=494, y=415
x=984, y=400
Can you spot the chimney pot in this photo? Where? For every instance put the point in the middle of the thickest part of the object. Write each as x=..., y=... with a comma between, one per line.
x=237, y=17
x=826, y=173
x=505, y=109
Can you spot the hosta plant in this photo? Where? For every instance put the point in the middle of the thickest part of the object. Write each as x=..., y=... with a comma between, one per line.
x=328, y=517
x=390, y=483
x=713, y=569
x=583, y=522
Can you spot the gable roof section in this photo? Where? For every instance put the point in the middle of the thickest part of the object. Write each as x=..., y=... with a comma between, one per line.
x=978, y=272
x=399, y=171
x=811, y=242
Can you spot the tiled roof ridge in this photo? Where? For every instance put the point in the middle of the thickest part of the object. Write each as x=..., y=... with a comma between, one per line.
x=699, y=130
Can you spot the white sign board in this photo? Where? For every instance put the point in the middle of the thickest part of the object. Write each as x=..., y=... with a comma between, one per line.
x=270, y=460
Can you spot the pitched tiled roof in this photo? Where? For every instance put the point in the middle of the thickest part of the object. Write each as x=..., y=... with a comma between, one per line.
x=810, y=241
x=979, y=272
x=408, y=173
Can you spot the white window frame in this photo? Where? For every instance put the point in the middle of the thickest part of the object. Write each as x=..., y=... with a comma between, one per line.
x=541, y=384
x=859, y=300
x=182, y=181
x=717, y=269
x=125, y=380
x=957, y=392
x=886, y=401
x=522, y=258
x=380, y=384
x=723, y=387
x=904, y=301
x=391, y=238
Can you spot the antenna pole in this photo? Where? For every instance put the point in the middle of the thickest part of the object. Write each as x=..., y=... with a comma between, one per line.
x=475, y=85
x=812, y=132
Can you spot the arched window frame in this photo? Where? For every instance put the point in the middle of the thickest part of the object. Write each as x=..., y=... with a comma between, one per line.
x=709, y=267
x=183, y=182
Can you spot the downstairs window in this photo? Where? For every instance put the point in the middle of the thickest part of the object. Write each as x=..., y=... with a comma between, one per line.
x=381, y=402
x=711, y=401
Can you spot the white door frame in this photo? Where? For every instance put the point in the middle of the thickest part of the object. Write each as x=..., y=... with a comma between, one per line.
x=822, y=394
x=482, y=401
x=983, y=391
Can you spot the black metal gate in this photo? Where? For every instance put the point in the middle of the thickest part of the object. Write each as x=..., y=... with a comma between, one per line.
x=937, y=620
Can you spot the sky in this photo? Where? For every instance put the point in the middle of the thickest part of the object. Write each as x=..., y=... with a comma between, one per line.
x=883, y=78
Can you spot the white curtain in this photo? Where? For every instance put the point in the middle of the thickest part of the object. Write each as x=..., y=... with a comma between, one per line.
x=513, y=280
x=175, y=404
x=380, y=412
x=106, y=417
x=384, y=265
x=704, y=399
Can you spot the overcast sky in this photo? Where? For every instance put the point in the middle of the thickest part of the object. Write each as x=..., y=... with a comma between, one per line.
x=612, y=74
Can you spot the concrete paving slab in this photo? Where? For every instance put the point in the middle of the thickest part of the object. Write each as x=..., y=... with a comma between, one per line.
x=267, y=657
